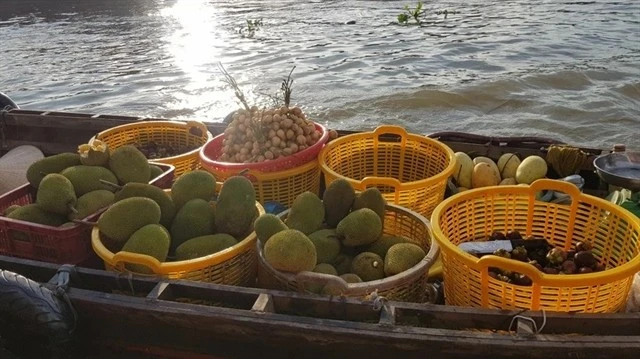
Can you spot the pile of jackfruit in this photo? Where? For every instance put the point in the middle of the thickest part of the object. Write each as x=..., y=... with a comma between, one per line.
x=71, y=186
x=340, y=234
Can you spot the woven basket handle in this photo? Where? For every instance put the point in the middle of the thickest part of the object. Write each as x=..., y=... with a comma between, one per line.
x=195, y=127
x=321, y=279
x=373, y=181
x=555, y=185
x=136, y=258
x=390, y=129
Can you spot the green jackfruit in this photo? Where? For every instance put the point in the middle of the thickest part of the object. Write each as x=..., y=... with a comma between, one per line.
x=327, y=244
x=194, y=184
x=125, y=217
x=371, y=198
x=236, y=207
x=267, y=225
x=342, y=263
x=162, y=198
x=129, y=164
x=51, y=164
x=204, y=245
x=337, y=200
x=196, y=218
x=56, y=194
x=152, y=240
x=87, y=178
x=94, y=153
x=360, y=227
x=154, y=171
x=401, y=257
x=290, y=251
x=10, y=209
x=306, y=213
x=34, y=213
x=382, y=245
x=368, y=266
x=91, y=202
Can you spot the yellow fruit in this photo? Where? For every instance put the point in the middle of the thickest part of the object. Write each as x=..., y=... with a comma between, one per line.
x=508, y=164
x=463, y=169
x=530, y=169
x=484, y=175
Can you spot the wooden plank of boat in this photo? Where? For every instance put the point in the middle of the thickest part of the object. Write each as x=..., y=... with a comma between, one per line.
x=123, y=312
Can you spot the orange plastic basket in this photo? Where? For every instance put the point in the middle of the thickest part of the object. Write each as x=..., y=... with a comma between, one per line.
x=409, y=286
x=236, y=265
x=475, y=214
x=410, y=170
x=47, y=243
x=174, y=133
x=279, y=186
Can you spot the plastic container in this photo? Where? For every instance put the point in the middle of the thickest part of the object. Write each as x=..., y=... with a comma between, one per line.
x=70, y=245
x=236, y=265
x=410, y=285
x=475, y=214
x=210, y=153
x=174, y=133
x=410, y=170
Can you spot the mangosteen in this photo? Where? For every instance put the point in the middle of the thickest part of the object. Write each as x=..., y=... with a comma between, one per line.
x=501, y=252
x=497, y=236
x=521, y=279
x=584, y=259
x=569, y=267
x=582, y=246
x=513, y=234
x=556, y=256
x=504, y=278
x=493, y=274
x=536, y=264
x=520, y=253
x=584, y=270
x=571, y=253
x=598, y=267
x=550, y=270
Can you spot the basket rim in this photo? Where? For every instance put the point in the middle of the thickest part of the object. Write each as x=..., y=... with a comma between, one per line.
x=172, y=267
x=556, y=280
x=216, y=165
x=420, y=269
x=149, y=123
x=444, y=174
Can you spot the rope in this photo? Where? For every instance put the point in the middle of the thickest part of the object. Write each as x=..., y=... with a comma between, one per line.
x=529, y=319
x=379, y=301
x=566, y=160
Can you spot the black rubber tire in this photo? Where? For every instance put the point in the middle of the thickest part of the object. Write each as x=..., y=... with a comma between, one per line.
x=30, y=311
x=6, y=103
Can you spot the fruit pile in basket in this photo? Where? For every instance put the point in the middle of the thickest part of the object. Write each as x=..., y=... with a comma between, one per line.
x=482, y=171
x=340, y=234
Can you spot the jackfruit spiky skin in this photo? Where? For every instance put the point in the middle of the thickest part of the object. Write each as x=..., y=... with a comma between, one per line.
x=10, y=209
x=337, y=198
x=162, y=198
x=401, y=257
x=196, y=218
x=91, y=202
x=87, y=178
x=371, y=198
x=306, y=213
x=152, y=240
x=236, y=207
x=129, y=164
x=382, y=245
x=267, y=225
x=327, y=244
x=204, y=245
x=290, y=251
x=125, y=217
x=52, y=164
x=34, y=213
x=342, y=263
x=56, y=194
x=154, y=171
x=368, y=266
x=195, y=184
x=360, y=227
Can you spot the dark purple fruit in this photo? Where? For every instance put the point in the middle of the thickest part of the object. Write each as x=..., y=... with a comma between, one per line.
x=520, y=253
x=569, y=267
x=583, y=246
x=493, y=274
x=584, y=270
x=503, y=278
x=521, y=279
x=497, y=236
x=513, y=234
x=599, y=267
x=556, y=256
x=571, y=253
x=550, y=270
x=536, y=264
x=584, y=259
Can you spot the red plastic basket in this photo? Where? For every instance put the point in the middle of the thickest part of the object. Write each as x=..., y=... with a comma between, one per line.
x=212, y=150
x=69, y=245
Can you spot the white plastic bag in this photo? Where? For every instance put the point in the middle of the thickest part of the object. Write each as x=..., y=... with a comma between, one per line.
x=633, y=301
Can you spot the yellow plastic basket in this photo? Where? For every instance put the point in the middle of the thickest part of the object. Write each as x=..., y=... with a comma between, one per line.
x=410, y=170
x=236, y=265
x=409, y=286
x=475, y=214
x=174, y=133
x=280, y=186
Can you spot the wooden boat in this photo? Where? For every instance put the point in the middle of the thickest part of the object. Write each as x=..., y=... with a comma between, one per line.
x=128, y=316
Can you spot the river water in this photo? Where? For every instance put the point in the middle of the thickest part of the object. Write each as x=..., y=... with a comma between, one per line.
x=564, y=69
